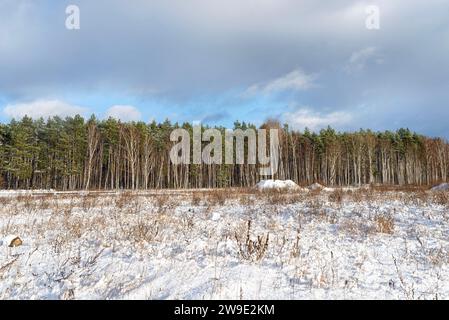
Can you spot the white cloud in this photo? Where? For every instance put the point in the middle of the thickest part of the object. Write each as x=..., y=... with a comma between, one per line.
x=43, y=108
x=297, y=80
x=124, y=113
x=360, y=59
x=307, y=118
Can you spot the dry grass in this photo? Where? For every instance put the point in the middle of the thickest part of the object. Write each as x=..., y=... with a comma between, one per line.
x=123, y=199
x=395, y=188
x=88, y=201
x=144, y=230
x=384, y=224
x=217, y=197
x=296, y=250
x=196, y=199
x=416, y=198
x=267, y=227
x=336, y=196
x=146, y=227
x=45, y=202
x=356, y=228
x=246, y=200
x=441, y=198
x=251, y=249
x=162, y=201
x=314, y=206
x=28, y=204
x=364, y=195
x=274, y=197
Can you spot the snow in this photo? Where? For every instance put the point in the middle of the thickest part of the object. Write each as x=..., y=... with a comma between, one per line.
x=316, y=186
x=113, y=247
x=441, y=187
x=276, y=185
x=24, y=192
x=215, y=216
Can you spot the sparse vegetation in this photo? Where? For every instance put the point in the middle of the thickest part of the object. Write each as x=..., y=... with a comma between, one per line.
x=251, y=249
x=336, y=196
x=384, y=224
x=292, y=242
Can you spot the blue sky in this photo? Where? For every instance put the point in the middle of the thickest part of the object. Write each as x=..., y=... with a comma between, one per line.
x=306, y=63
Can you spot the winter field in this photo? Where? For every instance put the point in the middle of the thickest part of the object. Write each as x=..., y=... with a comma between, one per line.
x=353, y=243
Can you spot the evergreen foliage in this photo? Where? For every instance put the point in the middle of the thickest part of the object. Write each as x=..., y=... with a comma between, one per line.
x=75, y=154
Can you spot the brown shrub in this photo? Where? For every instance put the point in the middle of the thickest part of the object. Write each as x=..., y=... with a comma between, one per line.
x=196, y=199
x=274, y=197
x=355, y=227
x=336, y=196
x=217, y=197
x=361, y=195
x=4, y=201
x=76, y=228
x=280, y=197
x=162, y=200
x=88, y=201
x=314, y=206
x=441, y=198
x=249, y=249
x=27, y=202
x=418, y=197
x=123, y=199
x=246, y=200
x=145, y=230
x=45, y=201
x=384, y=224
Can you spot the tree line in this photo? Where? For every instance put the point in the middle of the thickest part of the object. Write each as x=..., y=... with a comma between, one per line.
x=75, y=154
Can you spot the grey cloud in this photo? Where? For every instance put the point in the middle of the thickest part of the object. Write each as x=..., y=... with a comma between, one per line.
x=214, y=117
x=177, y=50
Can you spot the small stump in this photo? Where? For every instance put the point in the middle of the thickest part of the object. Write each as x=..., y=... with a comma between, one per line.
x=15, y=242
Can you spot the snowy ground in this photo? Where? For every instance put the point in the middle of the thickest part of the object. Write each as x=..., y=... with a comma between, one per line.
x=334, y=244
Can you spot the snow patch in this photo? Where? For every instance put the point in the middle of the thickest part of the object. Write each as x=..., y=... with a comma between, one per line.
x=277, y=185
x=441, y=187
x=8, y=193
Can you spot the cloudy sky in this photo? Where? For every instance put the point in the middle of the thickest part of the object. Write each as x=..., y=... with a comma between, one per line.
x=306, y=62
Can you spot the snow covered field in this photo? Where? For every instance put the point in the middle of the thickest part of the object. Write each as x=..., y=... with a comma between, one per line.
x=225, y=244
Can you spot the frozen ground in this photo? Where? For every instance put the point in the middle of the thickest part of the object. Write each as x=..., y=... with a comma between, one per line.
x=234, y=244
